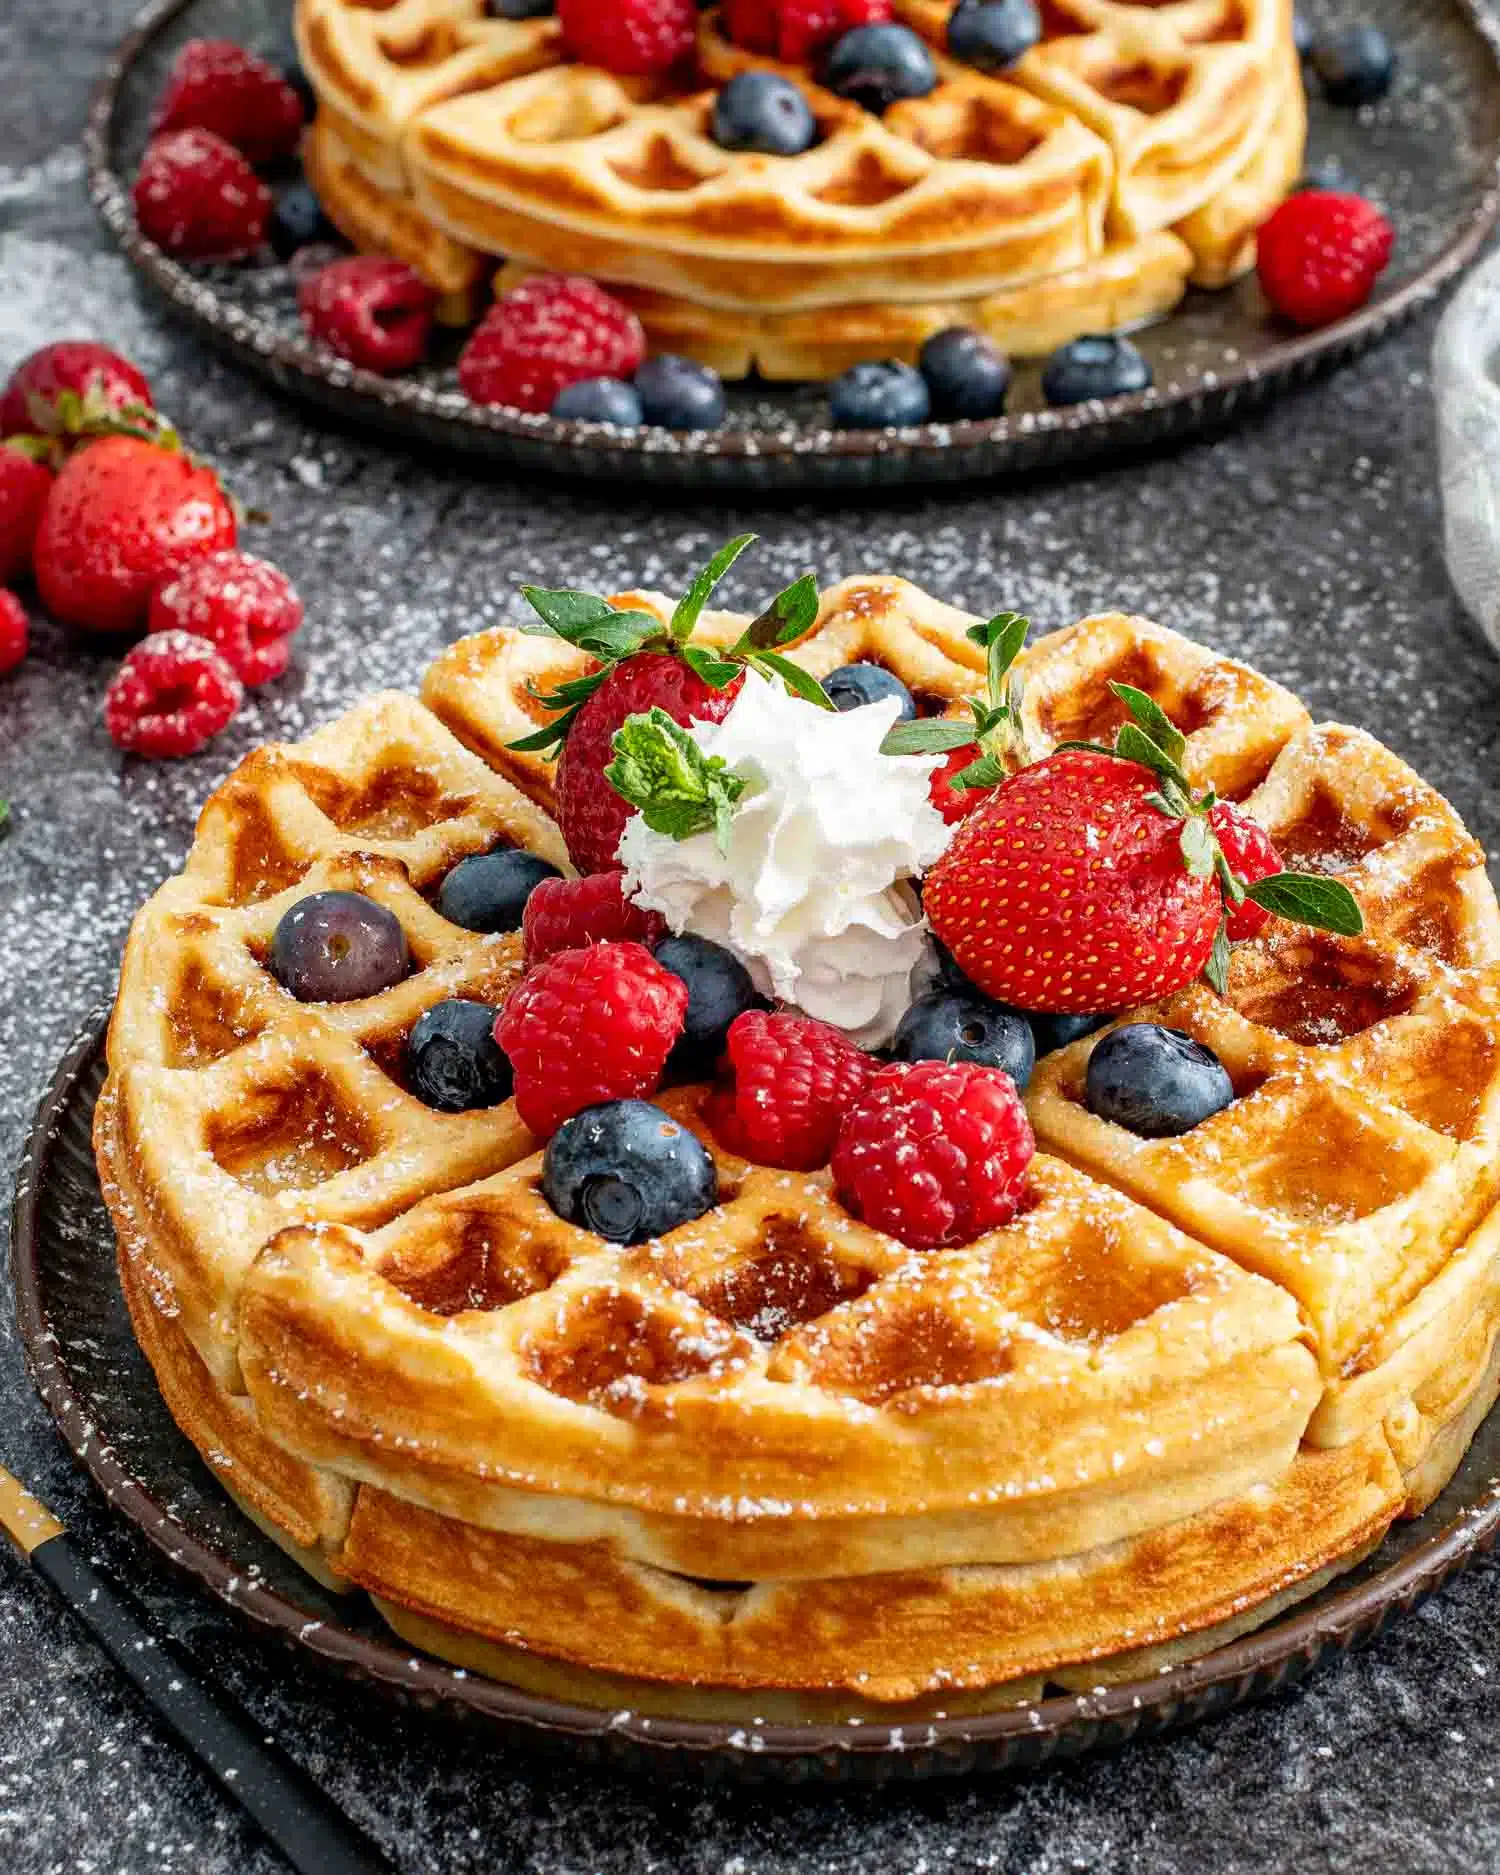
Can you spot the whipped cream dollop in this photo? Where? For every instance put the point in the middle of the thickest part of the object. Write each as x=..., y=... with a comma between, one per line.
x=813, y=893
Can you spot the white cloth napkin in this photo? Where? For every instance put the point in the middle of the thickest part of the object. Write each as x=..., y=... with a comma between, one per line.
x=1466, y=383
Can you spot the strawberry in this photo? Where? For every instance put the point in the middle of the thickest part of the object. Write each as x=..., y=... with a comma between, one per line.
x=1095, y=879
x=122, y=515
x=66, y=383
x=978, y=755
x=24, y=487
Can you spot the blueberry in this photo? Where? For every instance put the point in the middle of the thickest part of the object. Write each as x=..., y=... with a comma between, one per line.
x=852, y=686
x=1099, y=365
x=967, y=374
x=453, y=1061
x=628, y=1172
x=488, y=891
x=1354, y=65
x=1054, y=1032
x=600, y=400
x=876, y=65
x=1155, y=1082
x=519, y=9
x=1302, y=35
x=759, y=111
x=297, y=220
x=879, y=396
x=945, y=1026
x=719, y=989
x=337, y=947
x=993, y=34
x=677, y=394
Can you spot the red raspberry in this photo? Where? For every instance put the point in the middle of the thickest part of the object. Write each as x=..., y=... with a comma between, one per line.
x=566, y=914
x=99, y=377
x=794, y=1079
x=219, y=86
x=15, y=633
x=935, y=1153
x=634, y=38
x=592, y=816
x=198, y=198
x=373, y=311
x=549, y=332
x=1320, y=254
x=1247, y=846
x=956, y=804
x=795, y=31
x=589, y=1025
x=24, y=487
x=246, y=608
x=172, y=694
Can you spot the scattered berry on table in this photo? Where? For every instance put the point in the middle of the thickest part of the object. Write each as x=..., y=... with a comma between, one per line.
x=1053, y=1032
x=590, y=1025
x=879, y=394
x=489, y=892
x=453, y=1062
x=795, y=31
x=1354, y=65
x=956, y=804
x=764, y=112
x=633, y=38
x=172, y=694
x=15, y=633
x=100, y=378
x=297, y=221
x=600, y=400
x=217, y=85
x=719, y=988
x=628, y=1171
x=793, y=1081
x=852, y=686
x=548, y=332
x=372, y=310
x=968, y=376
x=949, y=1026
x=338, y=947
x=198, y=198
x=1097, y=365
x=245, y=607
x=935, y=1153
x=121, y=516
x=24, y=488
x=993, y=34
x=1247, y=846
x=680, y=394
x=1153, y=1081
x=1320, y=254
x=565, y=914
x=876, y=66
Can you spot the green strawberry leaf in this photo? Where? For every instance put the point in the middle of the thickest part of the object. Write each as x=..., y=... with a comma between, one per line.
x=689, y=608
x=1309, y=898
x=1229, y=879
x=570, y=614
x=660, y=770
x=1217, y=967
x=718, y=673
x=801, y=683
x=789, y=616
x=1150, y=716
x=1134, y=745
x=1005, y=634
x=1199, y=847
x=988, y=772
x=934, y=735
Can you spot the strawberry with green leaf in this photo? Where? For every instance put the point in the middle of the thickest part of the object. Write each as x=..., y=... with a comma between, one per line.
x=981, y=753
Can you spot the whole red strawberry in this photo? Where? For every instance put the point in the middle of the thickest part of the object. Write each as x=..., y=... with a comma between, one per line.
x=15, y=633
x=196, y=197
x=24, y=488
x=935, y=1153
x=99, y=378
x=1320, y=255
x=793, y=1081
x=635, y=38
x=589, y=1025
x=121, y=516
x=219, y=86
x=1247, y=846
x=550, y=331
x=566, y=914
x=245, y=607
x=172, y=694
x=372, y=310
x=795, y=31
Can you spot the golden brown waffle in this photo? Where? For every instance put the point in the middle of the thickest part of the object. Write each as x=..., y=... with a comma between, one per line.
x=775, y=1462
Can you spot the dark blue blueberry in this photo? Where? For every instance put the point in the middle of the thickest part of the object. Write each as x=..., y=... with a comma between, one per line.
x=337, y=947
x=627, y=1171
x=852, y=686
x=600, y=400
x=1354, y=65
x=677, y=394
x=1054, y=1032
x=945, y=1026
x=453, y=1061
x=1302, y=35
x=879, y=396
x=876, y=65
x=519, y=9
x=993, y=34
x=719, y=989
x=297, y=220
x=967, y=374
x=488, y=891
x=759, y=111
x=1099, y=365
x=1155, y=1082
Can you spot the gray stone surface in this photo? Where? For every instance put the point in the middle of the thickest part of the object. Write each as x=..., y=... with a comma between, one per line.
x=1308, y=542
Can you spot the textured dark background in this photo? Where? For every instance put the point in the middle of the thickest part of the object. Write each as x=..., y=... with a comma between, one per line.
x=1308, y=542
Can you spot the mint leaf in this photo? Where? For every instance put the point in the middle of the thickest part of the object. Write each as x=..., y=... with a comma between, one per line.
x=660, y=770
x=1308, y=898
x=1217, y=967
x=801, y=683
x=935, y=735
x=1151, y=717
x=690, y=606
x=1198, y=847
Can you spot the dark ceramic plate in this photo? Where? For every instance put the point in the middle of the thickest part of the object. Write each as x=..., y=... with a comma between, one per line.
x=1427, y=155
x=100, y=1390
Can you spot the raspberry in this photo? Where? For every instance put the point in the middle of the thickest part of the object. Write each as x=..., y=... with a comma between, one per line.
x=794, y=1079
x=15, y=633
x=592, y=816
x=795, y=31
x=24, y=487
x=551, y=331
x=198, y=198
x=1247, y=846
x=373, y=311
x=172, y=694
x=935, y=1153
x=219, y=86
x=955, y=804
x=100, y=378
x=566, y=914
x=634, y=38
x=246, y=608
x=590, y=1025
x=1320, y=254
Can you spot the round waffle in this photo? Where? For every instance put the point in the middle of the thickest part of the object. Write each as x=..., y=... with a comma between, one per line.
x=776, y=1462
